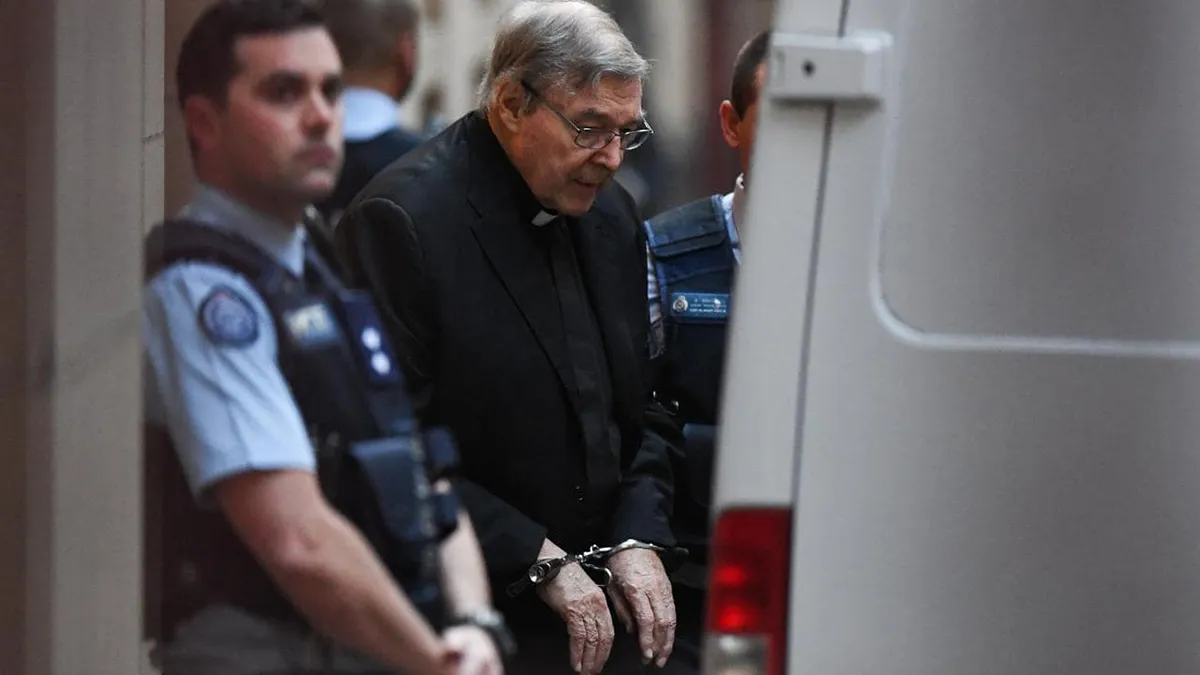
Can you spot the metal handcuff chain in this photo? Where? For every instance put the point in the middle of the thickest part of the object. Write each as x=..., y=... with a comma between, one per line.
x=592, y=560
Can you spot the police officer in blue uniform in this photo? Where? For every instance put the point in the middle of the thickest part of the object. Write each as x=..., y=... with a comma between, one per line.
x=297, y=517
x=377, y=41
x=694, y=254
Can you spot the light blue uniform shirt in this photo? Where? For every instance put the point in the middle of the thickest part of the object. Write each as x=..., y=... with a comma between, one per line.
x=368, y=113
x=226, y=406
x=654, y=297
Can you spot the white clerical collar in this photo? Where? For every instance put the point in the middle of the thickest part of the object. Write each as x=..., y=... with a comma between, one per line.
x=544, y=217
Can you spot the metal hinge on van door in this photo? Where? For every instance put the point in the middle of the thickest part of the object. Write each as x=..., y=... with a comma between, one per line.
x=827, y=68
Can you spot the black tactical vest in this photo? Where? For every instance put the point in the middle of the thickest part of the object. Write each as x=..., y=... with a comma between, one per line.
x=374, y=464
x=695, y=265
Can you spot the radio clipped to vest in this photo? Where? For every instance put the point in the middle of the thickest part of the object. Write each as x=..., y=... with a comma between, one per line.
x=441, y=461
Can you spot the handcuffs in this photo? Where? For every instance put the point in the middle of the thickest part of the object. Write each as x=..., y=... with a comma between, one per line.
x=591, y=560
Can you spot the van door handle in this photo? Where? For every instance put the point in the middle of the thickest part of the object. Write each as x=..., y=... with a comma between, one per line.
x=808, y=67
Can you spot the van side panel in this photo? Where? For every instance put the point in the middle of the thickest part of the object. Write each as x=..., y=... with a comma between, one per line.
x=1001, y=445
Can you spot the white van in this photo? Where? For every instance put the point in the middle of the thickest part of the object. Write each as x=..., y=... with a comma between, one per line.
x=961, y=425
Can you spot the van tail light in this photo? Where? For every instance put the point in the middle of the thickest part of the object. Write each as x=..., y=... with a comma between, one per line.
x=748, y=592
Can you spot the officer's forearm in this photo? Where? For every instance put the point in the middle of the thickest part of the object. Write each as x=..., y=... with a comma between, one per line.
x=344, y=591
x=463, y=574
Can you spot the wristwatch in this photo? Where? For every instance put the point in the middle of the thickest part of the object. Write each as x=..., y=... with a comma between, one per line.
x=492, y=623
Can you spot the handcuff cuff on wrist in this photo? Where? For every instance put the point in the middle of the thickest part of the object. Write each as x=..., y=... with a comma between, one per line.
x=592, y=561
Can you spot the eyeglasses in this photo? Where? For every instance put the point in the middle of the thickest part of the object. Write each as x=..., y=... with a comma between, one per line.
x=594, y=138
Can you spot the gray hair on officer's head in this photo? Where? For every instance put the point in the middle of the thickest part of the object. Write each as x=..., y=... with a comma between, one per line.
x=365, y=31
x=568, y=43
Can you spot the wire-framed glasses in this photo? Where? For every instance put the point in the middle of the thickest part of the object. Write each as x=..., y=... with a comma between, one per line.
x=594, y=138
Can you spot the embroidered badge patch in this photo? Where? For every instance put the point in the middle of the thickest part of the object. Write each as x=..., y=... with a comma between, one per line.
x=700, y=305
x=227, y=318
x=311, y=326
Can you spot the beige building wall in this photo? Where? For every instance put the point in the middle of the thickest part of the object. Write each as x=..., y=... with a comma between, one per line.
x=80, y=176
x=179, y=16
x=455, y=38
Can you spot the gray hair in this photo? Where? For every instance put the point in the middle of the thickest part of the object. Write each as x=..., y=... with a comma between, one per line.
x=365, y=31
x=570, y=43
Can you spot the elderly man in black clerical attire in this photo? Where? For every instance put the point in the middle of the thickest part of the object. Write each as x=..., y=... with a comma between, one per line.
x=513, y=270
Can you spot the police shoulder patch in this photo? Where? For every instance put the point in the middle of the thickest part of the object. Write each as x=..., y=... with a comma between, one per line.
x=228, y=318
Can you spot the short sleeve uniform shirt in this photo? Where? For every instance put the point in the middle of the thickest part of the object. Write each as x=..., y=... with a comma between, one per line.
x=212, y=379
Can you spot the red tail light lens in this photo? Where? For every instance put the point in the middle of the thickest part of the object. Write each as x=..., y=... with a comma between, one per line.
x=748, y=585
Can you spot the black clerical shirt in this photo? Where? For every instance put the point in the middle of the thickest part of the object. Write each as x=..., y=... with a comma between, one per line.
x=585, y=347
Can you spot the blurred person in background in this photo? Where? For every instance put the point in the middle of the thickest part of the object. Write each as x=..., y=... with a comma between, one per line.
x=297, y=520
x=377, y=41
x=433, y=111
x=694, y=254
x=513, y=267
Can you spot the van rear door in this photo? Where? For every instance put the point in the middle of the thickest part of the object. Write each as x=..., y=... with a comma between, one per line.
x=965, y=352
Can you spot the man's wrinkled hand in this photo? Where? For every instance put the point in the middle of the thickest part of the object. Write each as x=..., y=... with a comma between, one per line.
x=582, y=605
x=641, y=594
x=476, y=652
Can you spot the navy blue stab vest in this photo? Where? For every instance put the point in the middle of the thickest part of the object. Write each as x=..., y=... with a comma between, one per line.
x=695, y=264
x=374, y=464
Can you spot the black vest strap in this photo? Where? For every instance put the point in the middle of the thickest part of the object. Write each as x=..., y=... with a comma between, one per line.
x=321, y=239
x=317, y=268
x=688, y=242
x=691, y=227
x=181, y=240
